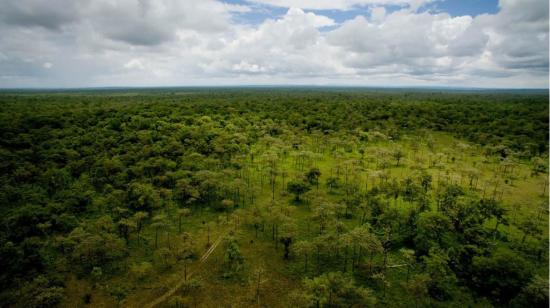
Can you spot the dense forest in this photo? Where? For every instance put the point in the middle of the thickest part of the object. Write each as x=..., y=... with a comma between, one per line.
x=273, y=198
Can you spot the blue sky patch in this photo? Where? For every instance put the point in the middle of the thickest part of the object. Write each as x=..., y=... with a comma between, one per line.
x=466, y=7
x=260, y=12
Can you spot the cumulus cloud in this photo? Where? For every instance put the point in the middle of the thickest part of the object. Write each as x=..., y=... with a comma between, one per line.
x=519, y=34
x=340, y=4
x=171, y=42
x=152, y=22
x=292, y=45
x=36, y=13
x=134, y=64
x=404, y=42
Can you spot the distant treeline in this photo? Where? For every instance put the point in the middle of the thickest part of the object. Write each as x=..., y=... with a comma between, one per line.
x=513, y=122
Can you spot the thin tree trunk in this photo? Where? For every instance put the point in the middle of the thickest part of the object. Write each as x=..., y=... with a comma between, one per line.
x=156, y=237
x=346, y=259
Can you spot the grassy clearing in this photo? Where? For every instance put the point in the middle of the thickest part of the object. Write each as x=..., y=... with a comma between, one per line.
x=520, y=193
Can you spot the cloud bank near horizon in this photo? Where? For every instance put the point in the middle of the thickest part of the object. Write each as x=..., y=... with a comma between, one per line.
x=88, y=43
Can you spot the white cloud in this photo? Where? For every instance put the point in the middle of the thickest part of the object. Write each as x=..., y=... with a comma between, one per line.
x=134, y=64
x=378, y=13
x=36, y=13
x=289, y=46
x=246, y=67
x=427, y=46
x=339, y=4
x=237, y=8
x=170, y=42
x=519, y=35
x=152, y=22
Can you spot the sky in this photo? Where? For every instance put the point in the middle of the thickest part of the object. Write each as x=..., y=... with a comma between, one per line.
x=387, y=43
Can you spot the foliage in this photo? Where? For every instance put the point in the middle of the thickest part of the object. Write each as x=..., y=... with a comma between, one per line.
x=535, y=294
x=337, y=290
x=233, y=259
x=501, y=275
x=297, y=188
x=41, y=293
x=427, y=198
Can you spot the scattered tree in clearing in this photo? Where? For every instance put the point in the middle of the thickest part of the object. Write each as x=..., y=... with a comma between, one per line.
x=297, y=188
x=312, y=177
x=287, y=235
x=233, y=259
x=335, y=289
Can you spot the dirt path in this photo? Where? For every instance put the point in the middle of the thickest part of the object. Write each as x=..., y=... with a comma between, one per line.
x=180, y=283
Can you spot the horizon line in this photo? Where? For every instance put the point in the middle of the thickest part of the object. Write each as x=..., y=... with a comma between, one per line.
x=281, y=86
